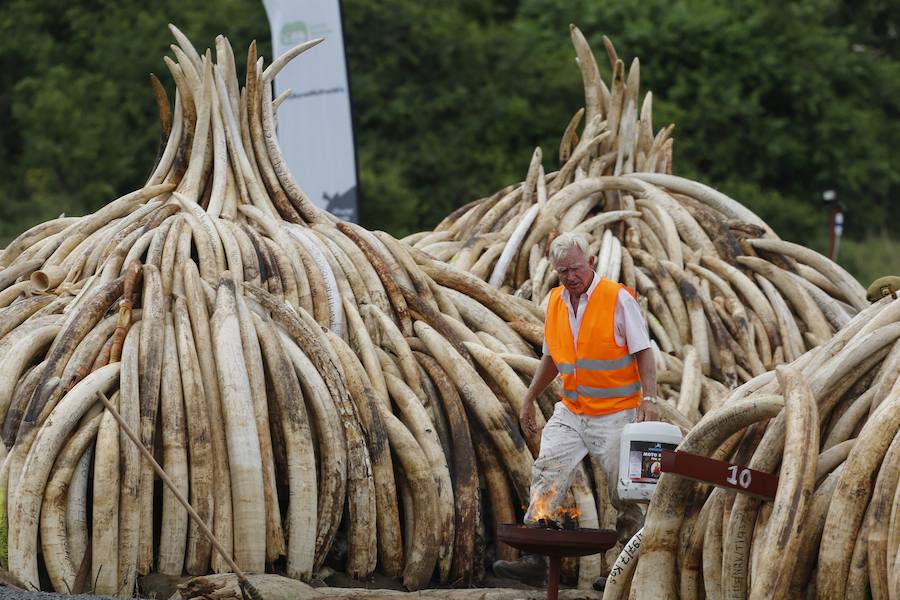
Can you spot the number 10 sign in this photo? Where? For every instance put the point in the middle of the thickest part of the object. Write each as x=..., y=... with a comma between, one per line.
x=720, y=473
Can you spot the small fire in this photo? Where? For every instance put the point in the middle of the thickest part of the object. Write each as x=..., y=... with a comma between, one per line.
x=541, y=503
x=552, y=509
x=568, y=513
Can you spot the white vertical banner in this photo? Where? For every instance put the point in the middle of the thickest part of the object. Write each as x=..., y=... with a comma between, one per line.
x=315, y=127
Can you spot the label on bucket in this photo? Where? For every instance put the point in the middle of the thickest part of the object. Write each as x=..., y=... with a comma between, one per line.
x=645, y=461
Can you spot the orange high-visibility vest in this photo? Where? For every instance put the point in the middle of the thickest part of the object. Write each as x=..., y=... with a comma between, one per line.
x=599, y=377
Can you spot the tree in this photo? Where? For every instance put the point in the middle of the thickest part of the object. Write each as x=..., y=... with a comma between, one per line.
x=78, y=123
x=773, y=102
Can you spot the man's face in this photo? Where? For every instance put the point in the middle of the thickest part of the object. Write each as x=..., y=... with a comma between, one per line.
x=576, y=270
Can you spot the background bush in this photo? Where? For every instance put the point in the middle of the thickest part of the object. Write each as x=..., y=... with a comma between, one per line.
x=773, y=102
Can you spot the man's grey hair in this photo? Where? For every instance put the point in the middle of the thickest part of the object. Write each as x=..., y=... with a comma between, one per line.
x=565, y=242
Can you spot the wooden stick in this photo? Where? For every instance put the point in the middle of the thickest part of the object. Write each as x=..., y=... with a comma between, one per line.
x=8, y=581
x=190, y=509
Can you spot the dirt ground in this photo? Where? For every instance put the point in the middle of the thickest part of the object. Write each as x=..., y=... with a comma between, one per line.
x=332, y=593
x=8, y=594
x=338, y=586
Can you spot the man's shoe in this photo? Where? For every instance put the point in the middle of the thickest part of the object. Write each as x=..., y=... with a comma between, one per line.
x=531, y=569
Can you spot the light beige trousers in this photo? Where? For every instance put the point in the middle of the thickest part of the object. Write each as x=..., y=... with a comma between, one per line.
x=567, y=438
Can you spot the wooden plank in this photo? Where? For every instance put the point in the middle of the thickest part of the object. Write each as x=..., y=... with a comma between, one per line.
x=720, y=473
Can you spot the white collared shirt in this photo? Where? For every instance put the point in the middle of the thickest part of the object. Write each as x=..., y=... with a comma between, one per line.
x=630, y=328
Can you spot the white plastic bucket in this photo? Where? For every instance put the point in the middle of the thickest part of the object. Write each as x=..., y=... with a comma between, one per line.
x=640, y=457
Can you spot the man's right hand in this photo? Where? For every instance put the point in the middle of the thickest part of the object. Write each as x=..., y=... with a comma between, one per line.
x=527, y=419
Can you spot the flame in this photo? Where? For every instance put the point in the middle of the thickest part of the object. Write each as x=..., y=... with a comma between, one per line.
x=571, y=512
x=544, y=506
x=541, y=502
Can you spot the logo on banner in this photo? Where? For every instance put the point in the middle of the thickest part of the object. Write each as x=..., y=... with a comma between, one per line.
x=318, y=106
x=342, y=205
x=297, y=32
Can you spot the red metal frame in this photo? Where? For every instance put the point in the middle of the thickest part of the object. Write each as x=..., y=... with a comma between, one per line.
x=555, y=544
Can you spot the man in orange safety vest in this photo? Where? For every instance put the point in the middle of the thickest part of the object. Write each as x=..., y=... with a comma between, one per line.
x=596, y=340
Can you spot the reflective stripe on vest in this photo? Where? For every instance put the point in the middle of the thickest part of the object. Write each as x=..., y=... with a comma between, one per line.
x=593, y=392
x=590, y=364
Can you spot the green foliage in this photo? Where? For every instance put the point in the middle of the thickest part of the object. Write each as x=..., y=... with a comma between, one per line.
x=871, y=257
x=78, y=122
x=448, y=104
x=774, y=102
x=776, y=96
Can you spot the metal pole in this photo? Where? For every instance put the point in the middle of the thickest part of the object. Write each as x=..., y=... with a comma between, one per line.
x=838, y=232
x=553, y=578
x=831, y=237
